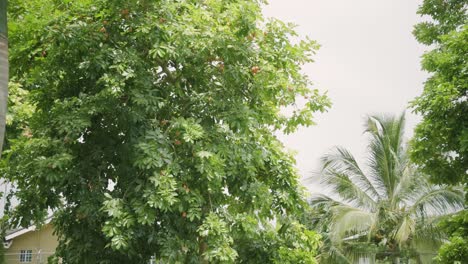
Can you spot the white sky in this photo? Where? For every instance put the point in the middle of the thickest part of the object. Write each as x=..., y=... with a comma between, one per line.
x=369, y=63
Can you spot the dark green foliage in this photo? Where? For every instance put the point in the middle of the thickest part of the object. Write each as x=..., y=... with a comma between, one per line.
x=153, y=130
x=457, y=248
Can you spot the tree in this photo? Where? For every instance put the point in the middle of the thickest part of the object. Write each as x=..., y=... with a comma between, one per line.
x=388, y=210
x=456, y=250
x=3, y=69
x=153, y=130
x=440, y=145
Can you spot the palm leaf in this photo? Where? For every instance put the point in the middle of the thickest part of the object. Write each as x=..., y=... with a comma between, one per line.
x=405, y=230
x=409, y=181
x=437, y=200
x=342, y=161
x=321, y=199
x=349, y=221
x=385, y=149
x=342, y=184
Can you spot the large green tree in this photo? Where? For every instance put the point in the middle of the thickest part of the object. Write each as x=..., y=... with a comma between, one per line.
x=440, y=145
x=386, y=210
x=153, y=130
x=3, y=69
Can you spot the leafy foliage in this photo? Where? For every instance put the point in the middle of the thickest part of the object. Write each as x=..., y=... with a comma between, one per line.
x=19, y=112
x=153, y=130
x=456, y=250
x=388, y=210
x=440, y=145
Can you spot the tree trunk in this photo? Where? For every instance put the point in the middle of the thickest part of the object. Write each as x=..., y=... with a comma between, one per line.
x=202, y=248
x=3, y=70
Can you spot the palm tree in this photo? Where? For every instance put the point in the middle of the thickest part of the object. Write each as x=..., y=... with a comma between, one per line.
x=3, y=69
x=388, y=211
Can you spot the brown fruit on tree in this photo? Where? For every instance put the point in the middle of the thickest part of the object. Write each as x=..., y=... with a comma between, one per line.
x=125, y=12
x=255, y=69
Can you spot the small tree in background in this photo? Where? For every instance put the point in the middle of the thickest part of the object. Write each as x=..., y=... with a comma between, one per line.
x=387, y=210
x=153, y=130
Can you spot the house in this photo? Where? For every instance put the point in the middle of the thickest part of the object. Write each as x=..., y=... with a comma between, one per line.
x=30, y=245
x=34, y=245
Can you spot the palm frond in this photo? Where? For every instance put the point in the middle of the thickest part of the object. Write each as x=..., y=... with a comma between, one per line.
x=409, y=181
x=348, y=221
x=342, y=161
x=427, y=237
x=320, y=199
x=333, y=254
x=405, y=230
x=436, y=200
x=341, y=184
x=386, y=149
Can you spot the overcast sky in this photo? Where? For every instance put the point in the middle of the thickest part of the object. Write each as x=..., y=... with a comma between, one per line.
x=368, y=63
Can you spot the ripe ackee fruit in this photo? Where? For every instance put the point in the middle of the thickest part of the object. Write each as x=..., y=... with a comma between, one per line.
x=177, y=142
x=255, y=69
x=125, y=12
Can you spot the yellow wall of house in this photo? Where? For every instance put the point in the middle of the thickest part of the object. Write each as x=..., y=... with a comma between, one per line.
x=42, y=243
